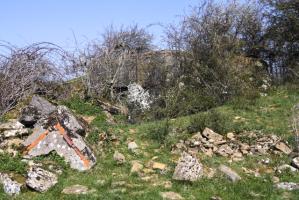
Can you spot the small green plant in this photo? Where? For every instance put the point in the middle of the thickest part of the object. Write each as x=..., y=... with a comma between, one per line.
x=82, y=107
x=53, y=156
x=212, y=119
x=158, y=131
x=10, y=163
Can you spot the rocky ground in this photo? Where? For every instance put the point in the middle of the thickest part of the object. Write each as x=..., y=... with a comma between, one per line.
x=259, y=162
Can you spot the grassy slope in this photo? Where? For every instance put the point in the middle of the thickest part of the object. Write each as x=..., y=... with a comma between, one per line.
x=269, y=114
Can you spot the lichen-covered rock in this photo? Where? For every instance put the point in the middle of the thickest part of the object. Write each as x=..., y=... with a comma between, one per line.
x=13, y=128
x=40, y=180
x=38, y=108
x=211, y=135
x=69, y=121
x=188, y=168
x=288, y=186
x=10, y=187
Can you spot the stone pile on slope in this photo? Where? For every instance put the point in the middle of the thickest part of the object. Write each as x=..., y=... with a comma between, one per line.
x=232, y=146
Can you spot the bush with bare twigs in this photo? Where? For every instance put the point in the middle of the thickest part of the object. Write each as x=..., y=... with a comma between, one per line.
x=28, y=70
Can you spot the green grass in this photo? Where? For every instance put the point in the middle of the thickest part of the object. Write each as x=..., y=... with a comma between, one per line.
x=269, y=114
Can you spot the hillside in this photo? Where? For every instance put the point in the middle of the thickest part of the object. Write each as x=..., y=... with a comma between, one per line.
x=147, y=171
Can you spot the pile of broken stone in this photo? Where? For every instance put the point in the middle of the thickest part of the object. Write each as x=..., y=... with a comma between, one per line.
x=209, y=142
x=43, y=128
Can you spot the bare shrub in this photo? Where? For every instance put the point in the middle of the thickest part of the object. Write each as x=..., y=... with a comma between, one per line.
x=24, y=71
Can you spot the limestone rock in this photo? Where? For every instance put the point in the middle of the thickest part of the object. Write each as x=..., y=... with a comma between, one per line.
x=188, y=168
x=295, y=162
x=40, y=179
x=230, y=136
x=38, y=108
x=232, y=175
x=55, y=141
x=211, y=135
x=136, y=166
x=160, y=166
x=13, y=128
x=283, y=147
x=287, y=186
x=132, y=146
x=171, y=196
x=75, y=189
x=69, y=121
x=10, y=187
x=225, y=150
x=119, y=157
x=286, y=167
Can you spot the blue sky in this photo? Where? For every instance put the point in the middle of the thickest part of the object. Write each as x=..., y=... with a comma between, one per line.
x=27, y=21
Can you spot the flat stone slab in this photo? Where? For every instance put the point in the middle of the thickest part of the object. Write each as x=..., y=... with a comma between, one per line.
x=40, y=180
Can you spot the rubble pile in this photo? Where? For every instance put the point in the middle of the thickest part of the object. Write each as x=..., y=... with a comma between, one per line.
x=41, y=129
x=232, y=146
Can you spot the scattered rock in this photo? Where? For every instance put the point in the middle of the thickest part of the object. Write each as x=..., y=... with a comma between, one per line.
x=266, y=161
x=287, y=186
x=225, y=150
x=40, y=179
x=171, y=196
x=160, y=166
x=75, y=189
x=38, y=108
x=295, y=162
x=211, y=143
x=119, y=157
x=88, y=119
x=132, y=146
x=188, y=168
x=283, y=147
x=136, y=166
x=232, y=175
x=275, y=179
x=230, y=136
x=285, y=167
x=118, y=184
x=10, y=187
x=13, y=128
x=167, y=184
x=211, y=135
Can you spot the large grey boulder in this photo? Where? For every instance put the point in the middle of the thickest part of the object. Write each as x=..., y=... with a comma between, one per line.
x=188, y=168
x=40, y=180
x=66, y=140
x=77, y=153
x=10, y=187
x=38, y=108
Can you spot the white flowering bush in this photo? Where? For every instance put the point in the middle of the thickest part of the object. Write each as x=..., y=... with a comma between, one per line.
x=139, y=96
